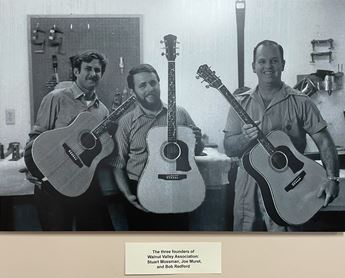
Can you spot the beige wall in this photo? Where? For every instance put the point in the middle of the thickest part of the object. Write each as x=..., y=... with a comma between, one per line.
x=207, y=32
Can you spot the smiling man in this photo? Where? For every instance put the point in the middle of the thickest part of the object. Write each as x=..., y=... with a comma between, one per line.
x=132, y=150
x=274, y=106
x=58, y=109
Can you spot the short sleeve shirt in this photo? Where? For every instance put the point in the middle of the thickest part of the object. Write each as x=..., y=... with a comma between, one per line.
x=289, y=111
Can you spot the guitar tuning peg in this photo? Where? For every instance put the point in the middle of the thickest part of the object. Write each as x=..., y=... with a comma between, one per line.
x=177, y=54
x=197, y=77
x=161, y=41
x=177, y=42
x=162, y=53
x=207, y=86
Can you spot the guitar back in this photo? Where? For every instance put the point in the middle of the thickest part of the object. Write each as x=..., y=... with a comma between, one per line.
x=64, y=160
x=163, y=188
x=287, y=205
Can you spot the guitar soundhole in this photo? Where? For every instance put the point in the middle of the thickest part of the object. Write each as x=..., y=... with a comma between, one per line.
x=171, y=151
x=88, y=141
x=279, y=160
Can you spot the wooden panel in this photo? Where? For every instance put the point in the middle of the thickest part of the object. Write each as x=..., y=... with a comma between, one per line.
x=114, y=36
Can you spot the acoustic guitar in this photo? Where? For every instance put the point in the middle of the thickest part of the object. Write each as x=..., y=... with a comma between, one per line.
x=67, y=157
x=171, y=181
x=289, y=181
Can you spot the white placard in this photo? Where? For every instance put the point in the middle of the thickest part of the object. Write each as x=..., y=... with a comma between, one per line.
x=172, y=257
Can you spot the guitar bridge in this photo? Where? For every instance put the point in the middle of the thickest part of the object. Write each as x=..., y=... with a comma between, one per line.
x=172, y=177
x=295, y=181
x=72, y=155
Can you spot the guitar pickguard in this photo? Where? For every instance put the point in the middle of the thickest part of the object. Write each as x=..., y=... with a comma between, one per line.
x=182, y=162
x=87, y=156
x=293, y=162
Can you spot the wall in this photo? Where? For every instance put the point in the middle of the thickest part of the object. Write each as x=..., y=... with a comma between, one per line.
x=207, y=32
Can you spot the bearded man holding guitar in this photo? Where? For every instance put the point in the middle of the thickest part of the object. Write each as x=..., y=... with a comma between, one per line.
x=134, y=151
x=58, y=110
x=275, y=106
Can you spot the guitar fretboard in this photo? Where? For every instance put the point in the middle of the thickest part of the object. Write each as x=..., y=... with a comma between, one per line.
x=115, y=115
x=172, y=136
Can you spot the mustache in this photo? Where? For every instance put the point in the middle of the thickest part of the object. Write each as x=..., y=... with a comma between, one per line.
x=94, y=78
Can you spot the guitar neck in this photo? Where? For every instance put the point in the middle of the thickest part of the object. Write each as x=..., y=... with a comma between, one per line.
x=115, y=115
x=172, y=136
x=262, y=139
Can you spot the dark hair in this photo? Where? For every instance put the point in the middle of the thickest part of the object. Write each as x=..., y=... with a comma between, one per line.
x=268, y=42
x=138, y=69
x=87, y=56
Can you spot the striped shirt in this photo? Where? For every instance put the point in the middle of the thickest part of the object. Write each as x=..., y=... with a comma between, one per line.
x=131, y=137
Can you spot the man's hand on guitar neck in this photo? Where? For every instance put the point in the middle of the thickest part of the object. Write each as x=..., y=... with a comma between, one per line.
x=250, y=132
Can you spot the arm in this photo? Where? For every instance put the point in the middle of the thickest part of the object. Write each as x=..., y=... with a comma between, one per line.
x=329, y=158
x=236, y=144
x=119, y=159
x=199, y=145
x=45, y=121
x=121, y=179
x=187, y=120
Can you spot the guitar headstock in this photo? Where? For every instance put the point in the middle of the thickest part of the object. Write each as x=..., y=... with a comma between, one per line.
x=209, y=76
x=170, y=42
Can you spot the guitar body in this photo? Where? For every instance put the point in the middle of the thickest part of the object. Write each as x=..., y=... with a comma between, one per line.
x=289, y=192
x=68, y=156
x=171, y=183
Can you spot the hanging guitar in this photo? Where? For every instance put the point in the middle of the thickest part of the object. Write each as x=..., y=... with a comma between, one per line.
x=67, y=157
x=289, y=181
x=171, y=181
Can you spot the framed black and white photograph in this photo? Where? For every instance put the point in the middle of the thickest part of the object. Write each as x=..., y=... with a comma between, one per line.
x=166, y=120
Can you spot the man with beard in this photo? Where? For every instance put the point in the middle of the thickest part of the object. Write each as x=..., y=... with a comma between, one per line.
x=59, y=108
x=132, y=150
x=274, y=106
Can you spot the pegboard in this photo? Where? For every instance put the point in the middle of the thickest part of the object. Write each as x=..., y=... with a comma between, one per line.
x=115, y=36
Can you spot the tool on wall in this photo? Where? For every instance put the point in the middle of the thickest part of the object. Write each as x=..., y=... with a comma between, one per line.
x=55, y=77
x=308, y=85
x=2, y=154
x=321, y=80
x=240, y=6
x=38, y=38
x=121, y=65
x=320, y=54
x=321, y=42
x=316, y=54
x=55, y=38
x=117, y=99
